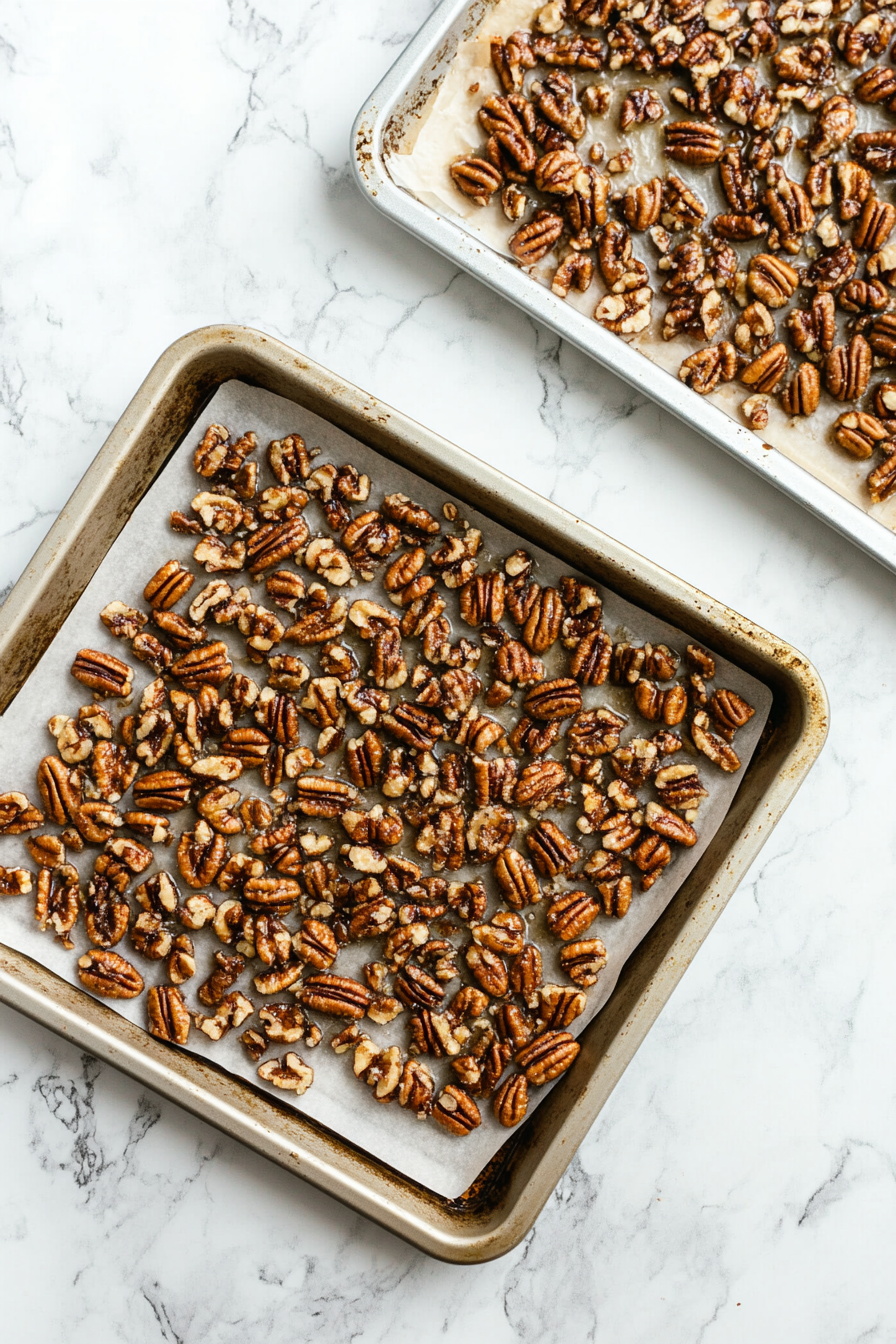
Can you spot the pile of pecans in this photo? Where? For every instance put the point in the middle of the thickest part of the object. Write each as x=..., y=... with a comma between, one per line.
x=407, y=804
x=794, y=273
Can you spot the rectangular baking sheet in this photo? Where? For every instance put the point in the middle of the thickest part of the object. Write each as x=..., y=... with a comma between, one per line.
x=491, y=1215
x=422, y=1152
x=391, y=122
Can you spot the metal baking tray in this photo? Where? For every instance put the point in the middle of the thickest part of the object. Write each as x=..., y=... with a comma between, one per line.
x=382, y=123
x=497, y=1212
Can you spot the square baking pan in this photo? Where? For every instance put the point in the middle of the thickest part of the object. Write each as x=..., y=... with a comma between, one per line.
x=500, y=1208
x=382, y=124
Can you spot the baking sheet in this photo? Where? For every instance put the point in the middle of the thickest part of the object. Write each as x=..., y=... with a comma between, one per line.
x=423, y=1152
x=447, y=127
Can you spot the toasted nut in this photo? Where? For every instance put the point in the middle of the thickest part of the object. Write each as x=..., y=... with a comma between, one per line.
x=15, y=881
x=476, y=178
x=18, y=815
x=772, y=280
x=291, y=1074
x=168, y=585
x=169, y=1019
x=109, y=975
x=103, y=673
x=766, y=371
x=803, y=392
x=547, y=1057
x=584, y=960
x=693, y=142
x=859, y=433
x=511, y=1101
x=335, y=994
x=535, y=239
x=456, y=1111
x=847, y=369
x=572, y=914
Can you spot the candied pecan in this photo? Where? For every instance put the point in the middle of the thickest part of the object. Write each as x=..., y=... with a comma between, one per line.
x=766, y=371
x=739, y=228
x=169, y=1019
x=208, y=665
x=771, y=279
x=552, y=851
x=106, y=915
x=847, y=369
x=882, y=480
x=831, y=269
x=490, y=831
x=109, y=975
x=18, y=815
x=705, y=369
x=200, y=855
x=639, y=106
x=516, y=878
x=476, y=178
x=275, y=542
x=834, y=124
x=882, y=337
x=679, y=786
x=654, y=704
x=681, y=208
x=586, y=207
x=864, y=296
x=557, y=699
x=571, y=914
x=876, y=150
x=15, y=882
x=547, y=1057
x=626, y=313
x=813, y=330
x=669, y=825
x=555, y=172
x=456, y=1111
x=642, y=203
x=583, y=960
x=149, y=936
x=290, y=1074
x=874, y=225
x=414, y=726
x=443, y=839
x=57, y=901
x=168, y=585
x=559, y=1006
x=692, y=142
x=729, y=712
x=542, y=784
x=103, y=673
x=859, y=433
x=555, y=100
x=122, y=621
x=802, y=394
x=535, y=239
x=711, y=746
x=511, y=1101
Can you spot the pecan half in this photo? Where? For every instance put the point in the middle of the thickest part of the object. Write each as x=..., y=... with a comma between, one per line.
x=338, y=995
x=547, y=1057
x=476, y=178
x=456, y=1111
x=168, y=585
x=103, y=673
x=169, y=1019
x=693, y=142
x=109, y=975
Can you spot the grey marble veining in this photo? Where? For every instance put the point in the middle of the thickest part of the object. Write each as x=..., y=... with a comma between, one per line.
x=164, y=166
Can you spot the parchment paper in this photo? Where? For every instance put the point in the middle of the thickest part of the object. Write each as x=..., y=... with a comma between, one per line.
x=448, y=127
x=421, y=1151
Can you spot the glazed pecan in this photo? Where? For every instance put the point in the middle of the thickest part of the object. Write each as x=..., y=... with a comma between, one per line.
x=705, y=369
x=571, y=914
x=813, y=330
x=275, y=542
x=169, y=1019
x=772, y=279
x=15, y=882
x=103, y=673
x=692, y=142
x=834, y=124
x=208, y=665
x=456, y=1111
x=535, y=239
x=291, y=1074
x=338, y=995
x=18, y=815
x=882, y=480
x=642, y=204
x=875, y=150
x=552, y=851
x=168, y=585
x=766, y=371
x=511, y=1101
x=476, y=178
x=847, y=369
x=583, y=960
x=802, y=394
x=200, y=855
x=711, y=746
x=109, y=975
x=547, y=1057
x=859, y=433
x=625, y=314
x=57, y=901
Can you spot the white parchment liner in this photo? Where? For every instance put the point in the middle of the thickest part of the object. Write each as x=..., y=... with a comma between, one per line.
x=447, y=127
x=422, y=1151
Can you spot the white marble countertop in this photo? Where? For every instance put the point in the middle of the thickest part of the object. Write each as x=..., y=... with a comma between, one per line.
x=164, y=166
